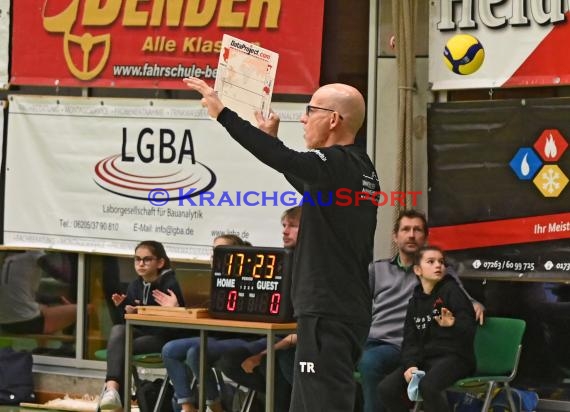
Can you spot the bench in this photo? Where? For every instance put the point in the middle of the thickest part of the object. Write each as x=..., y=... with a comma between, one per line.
x=31, y=341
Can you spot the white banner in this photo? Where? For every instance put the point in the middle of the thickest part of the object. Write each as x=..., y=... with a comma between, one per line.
x=80, y=170
x=498, y=44
x=4, y=42
x=3, y=105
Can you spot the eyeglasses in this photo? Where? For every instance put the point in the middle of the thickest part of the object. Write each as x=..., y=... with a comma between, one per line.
x=310, y=108
x=145, y=260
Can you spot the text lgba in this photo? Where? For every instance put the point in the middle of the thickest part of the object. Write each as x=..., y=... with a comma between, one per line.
x=168, y=150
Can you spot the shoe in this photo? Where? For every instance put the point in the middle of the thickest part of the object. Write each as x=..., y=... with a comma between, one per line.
x=110, y=400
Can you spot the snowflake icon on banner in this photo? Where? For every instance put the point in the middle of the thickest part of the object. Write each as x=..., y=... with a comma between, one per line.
x=550, y=181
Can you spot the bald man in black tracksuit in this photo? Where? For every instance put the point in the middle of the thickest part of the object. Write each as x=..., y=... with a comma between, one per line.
x=330, y=290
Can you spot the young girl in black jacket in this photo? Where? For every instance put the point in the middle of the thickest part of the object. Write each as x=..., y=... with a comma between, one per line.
x=438, y=337
x=154, y=273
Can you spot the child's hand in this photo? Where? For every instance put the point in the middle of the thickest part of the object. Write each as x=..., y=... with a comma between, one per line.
x=446, y=319
x=251, y=363
x=118, y=299
x=408, y=373
x=130, y=309
x=479, y=312
x=165, y=299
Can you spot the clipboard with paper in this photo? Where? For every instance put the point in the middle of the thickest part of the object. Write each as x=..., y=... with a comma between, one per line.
x=245, y=77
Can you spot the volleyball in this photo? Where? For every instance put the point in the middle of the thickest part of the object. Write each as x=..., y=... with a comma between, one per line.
x=463, y=54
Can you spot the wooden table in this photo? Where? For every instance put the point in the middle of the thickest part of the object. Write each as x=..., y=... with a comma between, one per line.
x=204, y=325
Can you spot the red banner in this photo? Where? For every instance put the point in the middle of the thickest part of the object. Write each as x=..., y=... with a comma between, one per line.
x=154, y=44
x=502, y=232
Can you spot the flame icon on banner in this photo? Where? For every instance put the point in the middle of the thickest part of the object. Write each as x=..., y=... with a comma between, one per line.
x=550, y=150
x=62, y=23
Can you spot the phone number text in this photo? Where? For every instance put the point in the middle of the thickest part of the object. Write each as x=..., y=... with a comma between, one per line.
x=95, y=225
x=508, y=265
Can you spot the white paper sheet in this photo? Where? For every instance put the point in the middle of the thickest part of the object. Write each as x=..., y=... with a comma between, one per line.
x=246, y=75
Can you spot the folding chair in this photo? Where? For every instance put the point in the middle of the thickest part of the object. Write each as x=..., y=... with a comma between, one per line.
x=497, y=352
x=248, y=401
x=145, y=360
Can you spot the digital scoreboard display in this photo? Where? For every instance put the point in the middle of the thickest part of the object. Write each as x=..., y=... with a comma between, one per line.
x=251, y=283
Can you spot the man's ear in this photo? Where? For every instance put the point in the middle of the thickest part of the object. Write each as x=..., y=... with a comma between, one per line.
x=335, y=120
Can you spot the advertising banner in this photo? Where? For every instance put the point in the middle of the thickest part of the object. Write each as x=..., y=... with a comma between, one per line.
x=513, y=43
x=499, y=194
x=99, y=175
x=3, y=106
x=4, y=41
x=154, y=44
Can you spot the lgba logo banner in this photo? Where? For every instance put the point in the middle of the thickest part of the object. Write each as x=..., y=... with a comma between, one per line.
x=162, y=164
x=96, y=161
x=154, y=44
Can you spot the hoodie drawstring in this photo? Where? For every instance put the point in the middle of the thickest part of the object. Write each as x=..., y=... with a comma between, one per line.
x=146, y=291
